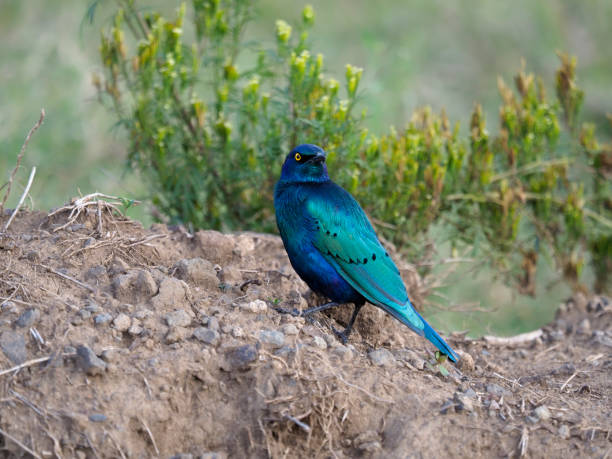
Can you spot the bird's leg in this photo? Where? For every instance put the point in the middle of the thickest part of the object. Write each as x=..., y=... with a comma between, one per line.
x=344, y=335
x=307, y=312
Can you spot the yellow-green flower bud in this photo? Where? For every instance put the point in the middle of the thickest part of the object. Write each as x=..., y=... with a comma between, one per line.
x=308, y=15
x=283, y=31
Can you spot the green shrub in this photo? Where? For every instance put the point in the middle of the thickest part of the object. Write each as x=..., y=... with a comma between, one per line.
x=209, y=136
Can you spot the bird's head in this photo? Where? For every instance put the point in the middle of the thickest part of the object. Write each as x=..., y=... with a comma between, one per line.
x=305, y=163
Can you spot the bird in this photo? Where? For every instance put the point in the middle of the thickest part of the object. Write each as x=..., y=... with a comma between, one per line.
x=333, y=247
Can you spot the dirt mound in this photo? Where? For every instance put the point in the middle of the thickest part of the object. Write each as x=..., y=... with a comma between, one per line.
x=123, y=342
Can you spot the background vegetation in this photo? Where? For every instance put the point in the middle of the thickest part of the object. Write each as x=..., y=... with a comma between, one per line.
x=419, y=47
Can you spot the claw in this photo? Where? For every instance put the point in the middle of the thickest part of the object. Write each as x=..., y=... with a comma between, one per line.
x=342, y=335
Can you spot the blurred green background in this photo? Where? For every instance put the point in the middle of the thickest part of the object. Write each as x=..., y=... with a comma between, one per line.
x=438, y=53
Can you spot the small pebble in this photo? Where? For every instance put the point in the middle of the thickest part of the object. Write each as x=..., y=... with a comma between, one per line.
x=542, y=413
x=237, y=332
x=382, y=358
x=103, y=318
x=466, y=361
x=122, y=322
x=272, y=337
x=255, y=306
x=178, y=318
x=14, y=346
x=85, y=314
x=97, y=417
x=564, y=431
x=89, y=362
x=213, y=323
x=496, y=390
x=464, y=403
x=176, y=334
x=343, y=352
x=319, y=342
x=584, y=327
x=135, y=330
x=92, y=307
x=28, y=318
x=206, y=335
x=240, y=358
x=290, y=330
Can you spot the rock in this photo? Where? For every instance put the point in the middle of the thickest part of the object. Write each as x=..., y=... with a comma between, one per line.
x=237, y=332
x=466, y=361
x=290, y=330
x=368, y=441
x=89, y=362
x=255, y=306
x=28, y=318
x=214, y=455
x=463, y=402
x=496, y=390
x=92, y=307
x=110, y=355
x=343, y=352
x=97, y=417
x=215, y=246
x=198, y=271
x=231, y=275
x=118, y=266
x=171, y=292
x=584, y=327
x=103, y=318
x=132, y=286
x=319, y=342
x=14, y=347
x=176, y=334
x=382, y=357
x=542, y=413
x=272, y=337
x=135, y=329
x=85, y=314
x=206, y=335
x=213, y=323
x=178, y=318
x=469, y=392
x=95, y=273
x=239, y=358
x=564, y=431
x=122, y=322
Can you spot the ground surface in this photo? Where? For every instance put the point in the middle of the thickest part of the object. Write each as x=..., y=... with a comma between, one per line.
x=125, y=342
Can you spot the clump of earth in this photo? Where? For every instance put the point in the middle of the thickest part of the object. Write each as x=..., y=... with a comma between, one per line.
x=120, y=341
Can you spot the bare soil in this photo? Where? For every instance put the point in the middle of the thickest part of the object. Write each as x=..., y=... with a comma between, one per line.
x=119, y=341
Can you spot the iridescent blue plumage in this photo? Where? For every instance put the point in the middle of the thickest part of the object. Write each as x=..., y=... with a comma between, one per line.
x=334, y=248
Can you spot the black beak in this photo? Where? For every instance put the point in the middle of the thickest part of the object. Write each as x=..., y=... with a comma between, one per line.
x=319, y=158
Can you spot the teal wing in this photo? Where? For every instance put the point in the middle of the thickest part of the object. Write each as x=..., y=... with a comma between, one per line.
x=346, y=239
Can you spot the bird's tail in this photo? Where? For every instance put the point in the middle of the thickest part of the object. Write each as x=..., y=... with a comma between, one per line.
x=415, y=322
x=437, y=340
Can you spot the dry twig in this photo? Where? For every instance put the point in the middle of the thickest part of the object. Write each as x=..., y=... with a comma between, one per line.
x=150, y=435
x=21, y=445
x=70, y=278
x=25, y=193
x=19, y=157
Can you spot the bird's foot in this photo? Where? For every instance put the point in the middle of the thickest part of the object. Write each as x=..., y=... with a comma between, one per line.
x=342, y=335
x=294, y=312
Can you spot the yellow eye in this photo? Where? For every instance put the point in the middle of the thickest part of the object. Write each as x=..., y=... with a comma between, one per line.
x=298, y=157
